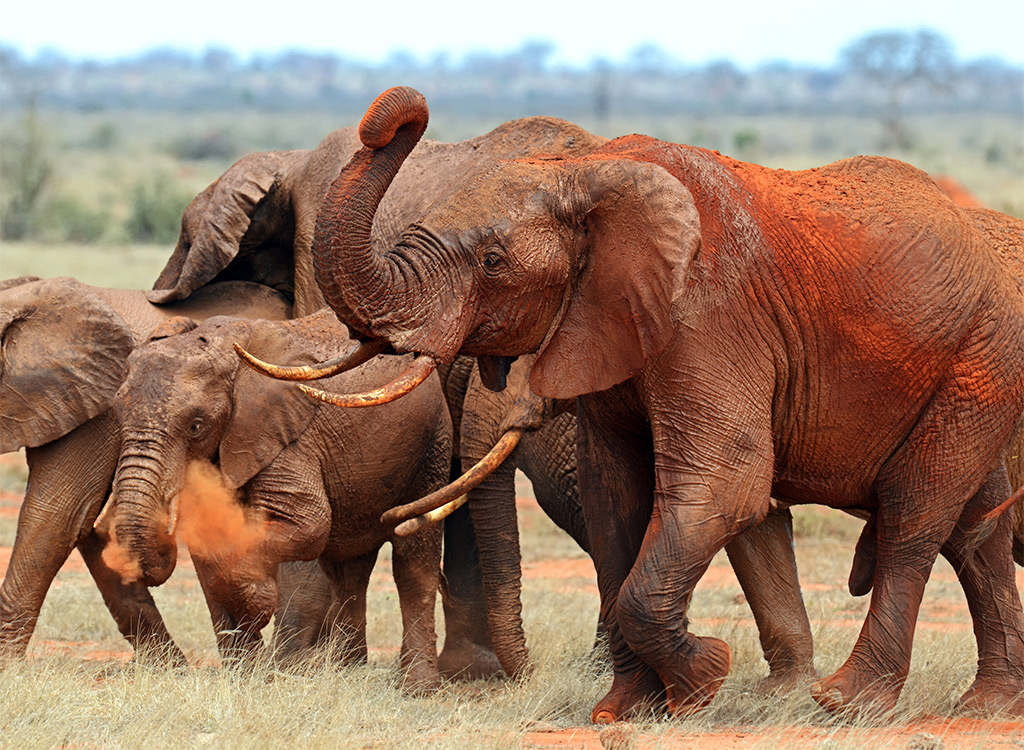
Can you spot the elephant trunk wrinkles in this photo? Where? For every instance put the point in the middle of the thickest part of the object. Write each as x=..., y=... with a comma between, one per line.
x=142, y=517
x=358, y=281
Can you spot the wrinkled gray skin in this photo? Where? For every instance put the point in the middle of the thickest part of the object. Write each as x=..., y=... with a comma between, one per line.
x=762, y=557
x=65, y=351
x=320, y=478
x=256, y=223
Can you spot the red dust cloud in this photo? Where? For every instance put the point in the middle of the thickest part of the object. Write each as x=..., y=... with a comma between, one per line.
x=212, y=522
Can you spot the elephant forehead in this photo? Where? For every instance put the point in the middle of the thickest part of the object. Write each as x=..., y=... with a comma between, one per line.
x=505, y=195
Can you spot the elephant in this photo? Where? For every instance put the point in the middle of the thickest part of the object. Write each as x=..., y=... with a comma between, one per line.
x=256, y=222
x=842, y=335
x=65, y=351
x=313, y=482
x=762, y=557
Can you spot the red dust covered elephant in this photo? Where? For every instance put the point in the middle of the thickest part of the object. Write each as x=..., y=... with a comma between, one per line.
x=842, y=335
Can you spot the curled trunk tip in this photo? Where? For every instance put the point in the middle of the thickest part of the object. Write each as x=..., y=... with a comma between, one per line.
x=396, y=107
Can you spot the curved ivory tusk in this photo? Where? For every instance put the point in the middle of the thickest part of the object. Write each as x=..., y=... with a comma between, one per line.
x=104, y=512
x=172, y=523
x=365, y=351
x=440, y=500
x=417, y=372
x=407, y=528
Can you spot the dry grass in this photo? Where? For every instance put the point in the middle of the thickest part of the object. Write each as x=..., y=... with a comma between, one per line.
x=76, y=691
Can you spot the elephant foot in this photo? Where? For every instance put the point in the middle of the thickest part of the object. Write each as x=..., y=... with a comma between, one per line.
x=461, y=659
x=631, y=695
x=994, y=697
x=694, y=681
x=786, y=680
x=857, y=694
x=421, y=678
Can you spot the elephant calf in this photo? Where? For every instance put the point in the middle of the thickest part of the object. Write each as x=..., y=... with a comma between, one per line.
x=312, y=482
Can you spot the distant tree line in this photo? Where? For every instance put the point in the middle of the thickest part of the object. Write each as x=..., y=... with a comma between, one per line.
x=889, y=74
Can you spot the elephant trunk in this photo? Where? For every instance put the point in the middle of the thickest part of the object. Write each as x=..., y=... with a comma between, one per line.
x=143, y=517
x=360, y=283
x=492, y=507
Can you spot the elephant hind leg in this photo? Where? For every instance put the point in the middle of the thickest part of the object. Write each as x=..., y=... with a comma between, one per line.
x=132, y=608
x=922, y=490
x=765, y=566
x=988, y=580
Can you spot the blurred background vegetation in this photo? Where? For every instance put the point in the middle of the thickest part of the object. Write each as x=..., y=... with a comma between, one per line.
x=108, y=154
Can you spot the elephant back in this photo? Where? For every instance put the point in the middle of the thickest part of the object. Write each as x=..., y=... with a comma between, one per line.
x=63, y=357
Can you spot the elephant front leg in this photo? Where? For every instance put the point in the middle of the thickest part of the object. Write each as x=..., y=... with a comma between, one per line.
x=416, y=569
x=765, y=566
x=713, y=473
x=133, y=609
x=238, y=613
x=616, y=485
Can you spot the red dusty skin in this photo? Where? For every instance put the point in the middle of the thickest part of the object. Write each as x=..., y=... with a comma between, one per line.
x=392, y=126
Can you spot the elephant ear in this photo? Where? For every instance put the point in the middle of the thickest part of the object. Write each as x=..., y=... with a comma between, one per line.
x=267, y=414
x=216, y=221
x=643, y=229
x=63, y=357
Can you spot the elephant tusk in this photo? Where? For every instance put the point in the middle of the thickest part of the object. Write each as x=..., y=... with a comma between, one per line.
x=104, y=512
x=450, y=495
x=365, y=351
x=172, y=523
x=417, y=372
x=407, y=528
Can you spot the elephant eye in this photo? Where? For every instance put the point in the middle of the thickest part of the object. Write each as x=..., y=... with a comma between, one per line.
x=195, y=429
x=492, y=259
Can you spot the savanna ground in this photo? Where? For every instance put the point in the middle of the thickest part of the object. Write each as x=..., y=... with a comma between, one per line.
x=77, y=688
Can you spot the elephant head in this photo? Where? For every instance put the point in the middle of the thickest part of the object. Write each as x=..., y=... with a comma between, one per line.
x=240, y=227
x=63, y=358
x=579, y=260
x=188, y=398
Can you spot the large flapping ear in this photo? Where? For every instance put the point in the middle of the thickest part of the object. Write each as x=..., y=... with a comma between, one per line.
x=215, y=222
x=267, y=414
x=64, y=355
x=643, y=230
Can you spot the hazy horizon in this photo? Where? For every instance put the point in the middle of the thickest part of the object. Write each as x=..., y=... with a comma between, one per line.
x=744, y=32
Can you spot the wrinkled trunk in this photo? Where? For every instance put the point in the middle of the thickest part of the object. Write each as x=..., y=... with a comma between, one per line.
x=142, y=513
x=492, y=505
x=370, y=291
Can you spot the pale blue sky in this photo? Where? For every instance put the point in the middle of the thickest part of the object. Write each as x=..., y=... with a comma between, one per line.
x=746, y=31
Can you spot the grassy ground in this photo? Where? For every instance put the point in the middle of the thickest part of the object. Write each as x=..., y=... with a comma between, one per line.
x=76, y=690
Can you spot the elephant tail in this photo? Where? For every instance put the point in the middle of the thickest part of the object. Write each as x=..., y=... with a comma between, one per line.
x=988, y=522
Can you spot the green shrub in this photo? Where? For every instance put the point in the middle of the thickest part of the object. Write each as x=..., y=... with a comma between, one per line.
x=156, y=208
x=66, y=219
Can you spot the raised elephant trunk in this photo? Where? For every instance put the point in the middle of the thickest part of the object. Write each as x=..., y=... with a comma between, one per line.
x=360, y=283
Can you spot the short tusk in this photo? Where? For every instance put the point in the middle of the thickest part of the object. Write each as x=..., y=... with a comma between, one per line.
x=450, y=494
x=104, y=512
x=172, y=524
x=417, y=372
x=407, y=528
x=365, y=351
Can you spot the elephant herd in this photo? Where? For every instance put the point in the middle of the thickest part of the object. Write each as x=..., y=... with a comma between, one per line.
x=673, y=345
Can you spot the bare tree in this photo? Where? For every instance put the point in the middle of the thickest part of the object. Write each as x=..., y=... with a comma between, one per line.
x=897, y=63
